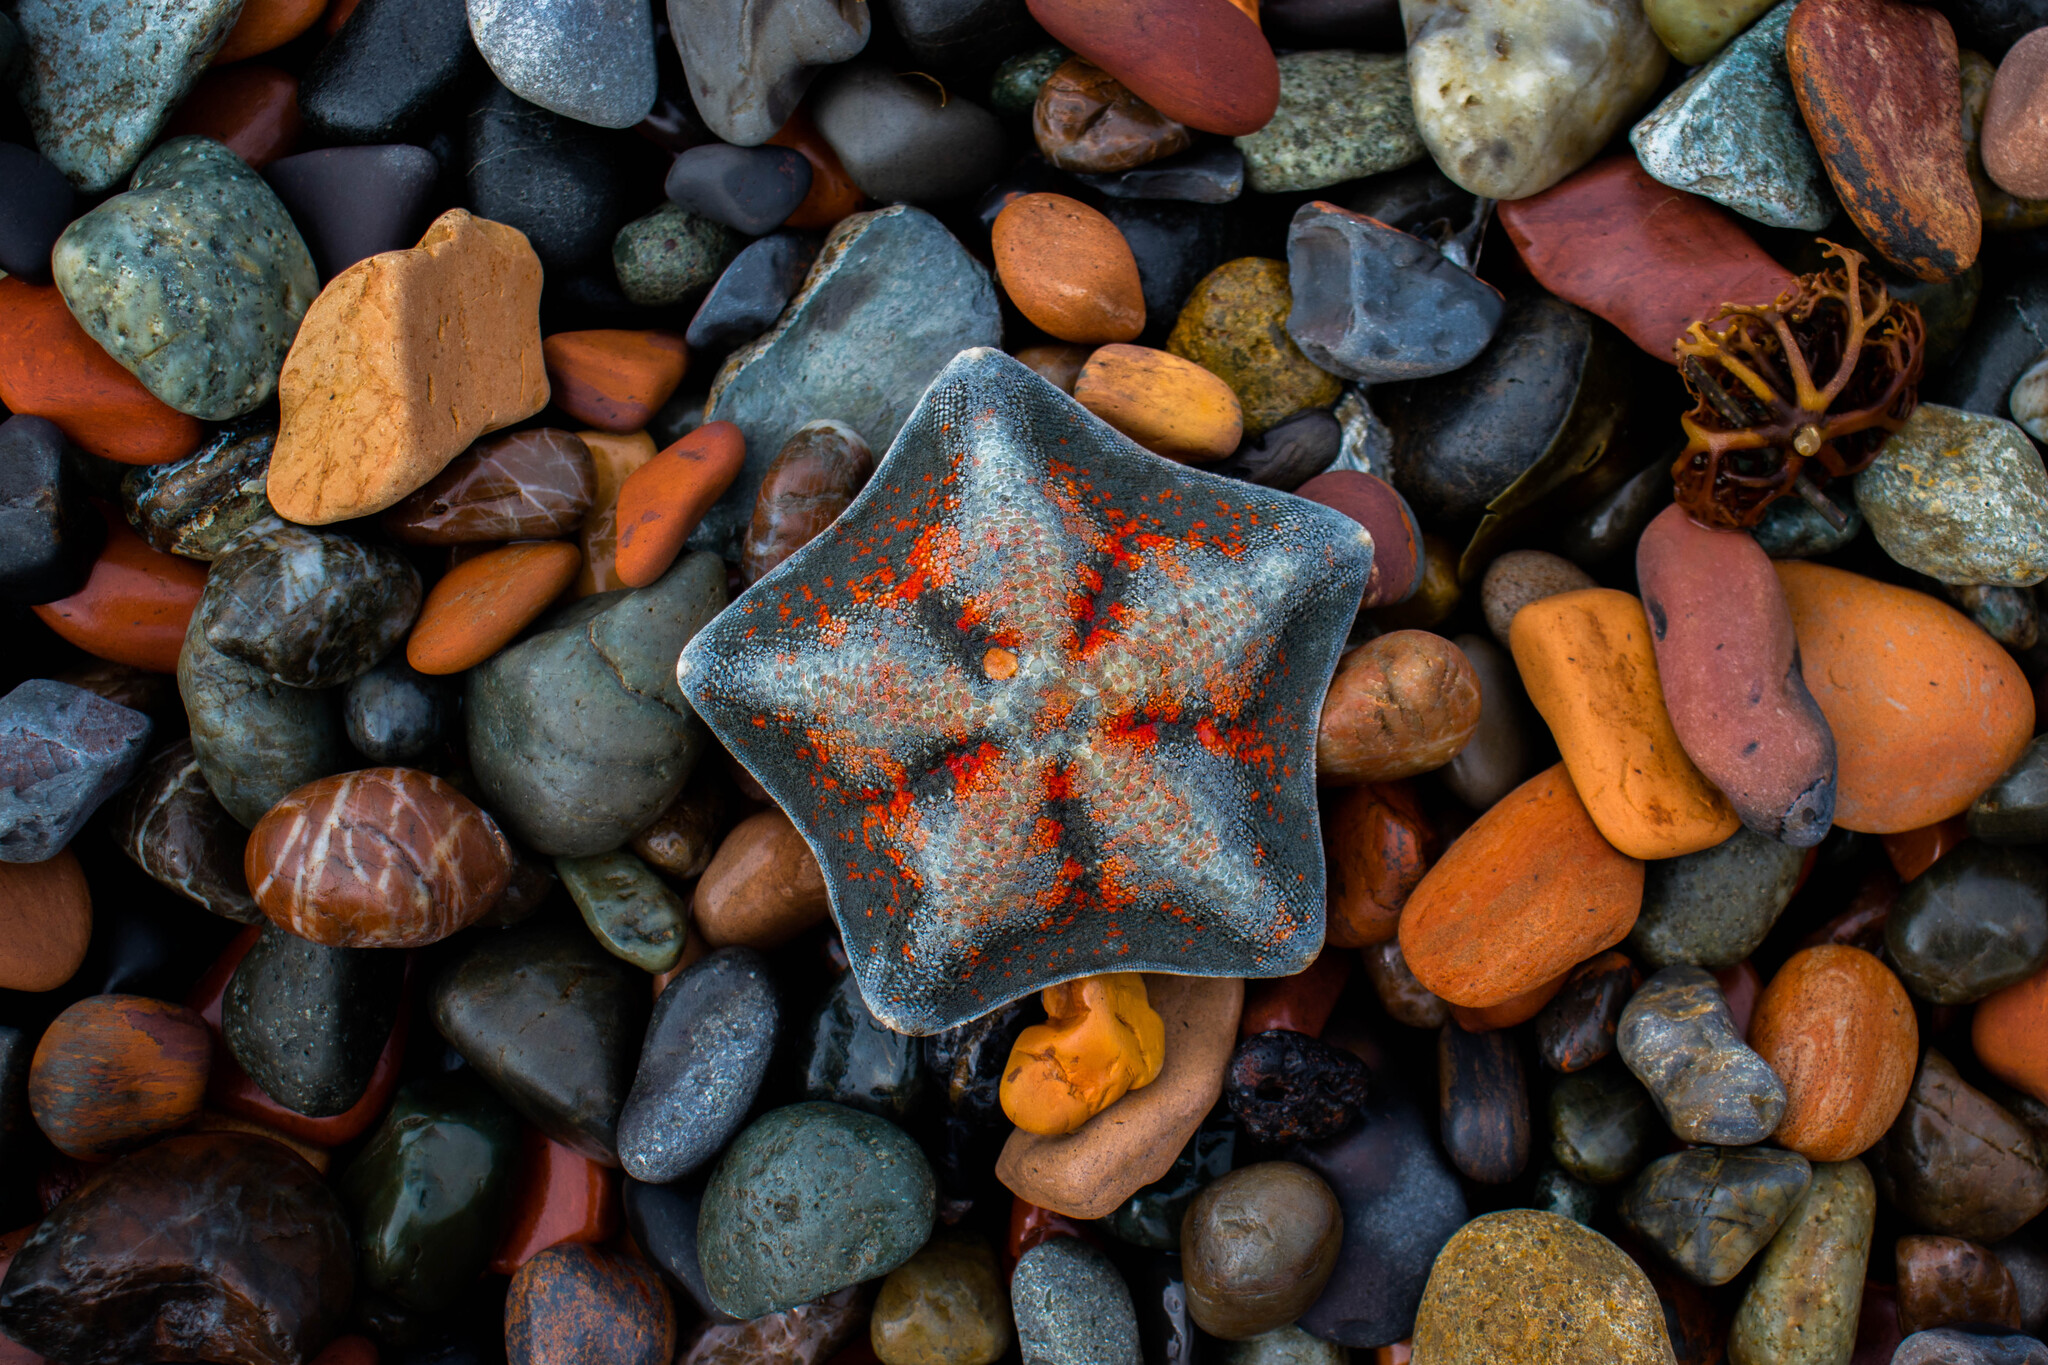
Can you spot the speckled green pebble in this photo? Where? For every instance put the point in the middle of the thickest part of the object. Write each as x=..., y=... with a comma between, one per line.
x=1801, y=1307
x=1072, y=1307
x=1013, y=89
x=671, y=254
x=630, y=910
x=1342, y=115
x=1960, y=497
x=811, y=1198
x=195, y=279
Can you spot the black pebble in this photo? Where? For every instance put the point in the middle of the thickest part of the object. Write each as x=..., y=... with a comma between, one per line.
x=753, y=291
x=554, y=179
x=36, y=206
x=385, y=69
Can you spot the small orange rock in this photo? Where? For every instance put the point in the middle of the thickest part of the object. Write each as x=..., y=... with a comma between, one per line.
x=267, y=24
x=1170, y=406
x=833, y=195
x=113, y=1072
x=1068, y=269
x=763, y=887
x=2010, y=1034
x=1927, y=709
x=135, y=604
x=614, y=380
x=1838, y=1028
x=1103, y=1040
x=1589, y=666
x=662, y=501
x=560, y=1197
x=481, y=603
x=50, y=368
x=1402, y=704
x=1520, y=897
x=1375, y=839
x=1913, y=851
x=1516, y=1009
x=253, y=110
x=1058, y=366
x=45, y=922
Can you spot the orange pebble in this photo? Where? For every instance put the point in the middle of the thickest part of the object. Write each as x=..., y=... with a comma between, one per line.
x=833, y=195
x=2010, y=1034
x=267, y=24
x=1068, y=269
x=1103, y=1040
x=1170, y=406
x=135, y=604
x=481, y=603
x=252, y=109
x=560, y=1197
x=50, y=368
x=614, y=380
x=662, y=501
x=1913, y=851
x=45, y=922
x=1517, y=1009
x=1839, y=1030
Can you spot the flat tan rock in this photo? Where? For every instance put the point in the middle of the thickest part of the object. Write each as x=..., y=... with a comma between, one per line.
x=1088, y=1172
x=404, y=360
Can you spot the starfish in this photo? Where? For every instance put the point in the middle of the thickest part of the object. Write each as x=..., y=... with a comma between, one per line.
x=1044, y=705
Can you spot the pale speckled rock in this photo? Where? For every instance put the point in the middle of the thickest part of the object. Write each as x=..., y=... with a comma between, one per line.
x=749, y=62
x=1072, y=1307
x=1512, y=97
x=1694, y=30
x=1801, y=1307
x=2029, y=399
x=1342, y=115
x=1732, y=133
x=195, y=279
x=1286, y=1346
x=101, y=78
x=589, y=60
x=1960, y=497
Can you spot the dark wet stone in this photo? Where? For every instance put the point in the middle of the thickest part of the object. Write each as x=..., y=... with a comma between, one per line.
x=1603, y=1124
x=628, y=909
x=1013, y=89
x=1288, y=455
x=751, y=189
x=1956, y=1162
x=2014, y=809
x=1712, y=908
x=1616, y=520
x=1374, y=25
x=396, y=716
x=663, y=1222
x=201, y=505
x=592, y=61
x=533, y=882
x=556, y=180
x=1482, y=1103
x=21, y=1142
x=1793, y=528
x=1710, y=1209
x=49, y=534
x=1576, y=1029
x=1257, y=1247
x=967, y=1062
x=1954, y=1346
x=1152, y=1216
x=1285, y=1086
x=849, y=1057
x=169, y=822
x=962, y=34
x=749, y=63
x=1159, y=1297
x=210, y=1246
x=1992, y=26
x=811, y=1198
x=753, y=291
x=553, y=1022
x=1950, y=1280
x=1558, y=1191
x=354, y=202
x=903, y=138
x=705, y=1054
x=430, y=1192
x=38, y=206
x=1422, y=201
x=1203, y=175
x=684, y=838
x=1974, y=923
x=2026, y=1260
x=63, y=752
x=308, y=1022
x=310, y=608
x=2009, y=332
x=386, y=69
x=1175, y=246
x=1679, y=1039
x=1072, y=1308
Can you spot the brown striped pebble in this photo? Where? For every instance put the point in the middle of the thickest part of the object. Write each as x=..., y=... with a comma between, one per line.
x=115, y=1072
x=381, y=858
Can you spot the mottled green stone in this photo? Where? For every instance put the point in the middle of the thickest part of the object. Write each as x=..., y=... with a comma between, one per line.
x=671, y=254
x=1960, y=497
x=1234, y=325
x=630, y=910
x=194, y=280
x=1708, y=1210
x=1712, y=908
x=1342, y=115
x=1013, y=90
x=1801, y=1307
x=1558, y=1191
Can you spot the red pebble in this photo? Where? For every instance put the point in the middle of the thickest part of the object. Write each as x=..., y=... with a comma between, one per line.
x=1199, y=62
x=50, y=368
x=135, y=604
x=560, y=1196
x=253, y=109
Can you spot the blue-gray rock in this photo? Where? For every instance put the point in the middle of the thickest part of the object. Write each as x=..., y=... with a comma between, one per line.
x=1954, y=1346
x=578, y=735
x=63, y=751
x=1733, y=134
x=753, y=291
x=1960, y=497
x=353, y=202
x=904, y=138
x=194, y=280
x=1708, y=1210
x=310, y=608
x=1678, y=1037
x=49, y=532
x=100, y=79
x=1793, y=528
x=556, y=180
x=1204, y=175
x=37, y=206
x=1072, y=1308
x=669, y=255
x=2008, y=615
x=1377, y=305
x=749, y=62
x=397, y=716
x=386, y=69
x=200, y=507
x=1342, y=115
x=707, y=1050
x=811, y=1198
x=749, y=189
x=892, y=298
x=589, y=60
x=1712, y=908
x=10, y=45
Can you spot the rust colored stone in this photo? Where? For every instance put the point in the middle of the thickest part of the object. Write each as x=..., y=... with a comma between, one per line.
x=1058, y=365
x=50, y=368
x=1401, y=704
x=599, y=543
x=482, y=603
x=523, y=485
x=1948, y=1281
x=561, y=1196
x=253, y=110
x=1301, y=1003
x=763, y=887
x=114, y=1072
x=1170, y=406
x=575, y=1303
x=1199, y=62
x=1086, y=120
x=1068, y=269
x=1379, y=507
x=683, y=838
x=136, y=604
x=1880, y=87
x=1650, y=259
x=268, y=24
x=2015, y=138
x=348, y=1351
x=1839, y=1030
x=380, y=858
x=1530, y=889
x=1376, y=846
x=1926, y=709
x=614, y=380
x=1516, y=1009
x=662, y=501
x=45, y=922
x=832, y=195
x=1913, y=851
x=808, y=484
x=2009, y=1033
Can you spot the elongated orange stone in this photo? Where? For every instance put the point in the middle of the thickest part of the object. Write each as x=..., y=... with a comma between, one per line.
x=662, y=501
x=481, y=603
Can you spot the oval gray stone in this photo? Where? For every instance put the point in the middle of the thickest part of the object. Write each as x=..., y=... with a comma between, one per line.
x=1072, y=1308
x=707, y=1050
x=1712, y=908
x=749, y=62
x=589, y=60
x=1960, y=497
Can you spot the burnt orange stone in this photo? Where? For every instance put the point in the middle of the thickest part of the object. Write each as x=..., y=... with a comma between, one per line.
x=1375, y=842
x=135, y=604
x=380, y=858
x=253, y=109
x=1517, y=1009
x=114, y=1072
x=50, y=368
x=1086, y=121
x=1839, y=1030
x=2010, y=1034
x=1913, y=851
x=614, y=380
x=481, y=603
x=1199, y=62
x=1068, y=269
x=45, y=922
x=1880, y=85
x=560, y=1197
x=1650, y=259
x=267, y=24
x=662, y=501
x=833, y=195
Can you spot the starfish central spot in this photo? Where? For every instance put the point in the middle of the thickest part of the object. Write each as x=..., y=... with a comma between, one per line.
x=999, y=664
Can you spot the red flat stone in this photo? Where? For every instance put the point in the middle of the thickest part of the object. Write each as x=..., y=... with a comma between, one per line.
x=1879, y=83
x=613, y=380
x=134, y=606
x=1199, y=62
x=50, y=368
x=253, y=109
x=560, y=1197
x=1650, y=259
